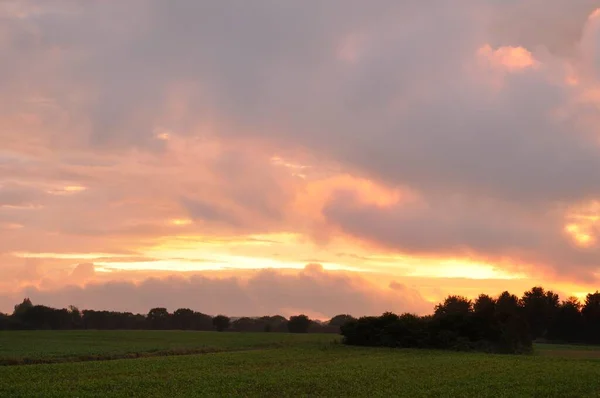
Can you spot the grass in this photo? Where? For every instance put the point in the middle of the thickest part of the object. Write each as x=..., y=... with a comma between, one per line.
x=548, y=347
x=282, y=365
x=31, y=347
x=568, y=350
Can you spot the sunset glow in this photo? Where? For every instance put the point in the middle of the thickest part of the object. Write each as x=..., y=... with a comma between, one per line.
x=386, y=157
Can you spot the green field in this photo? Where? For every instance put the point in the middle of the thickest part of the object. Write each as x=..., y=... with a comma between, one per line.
x=34, y=347
x=264, y=364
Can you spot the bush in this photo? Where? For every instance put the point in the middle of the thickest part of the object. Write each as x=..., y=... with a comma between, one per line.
x=455, y=327
x=221, y=323
x=299, y=324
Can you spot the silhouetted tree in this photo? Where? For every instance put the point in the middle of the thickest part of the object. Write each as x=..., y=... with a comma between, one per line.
x=487, y=324
x=452, y=325
x=591, y=317
x=341, y=319
x=276, y=323
x=183, y=319
x=5, y=321
x=507, y=305
x=159, y=318
x=246, y=324
x=317, y=326
x=405, y=331
x=485, y=306
x=299, y=324
x=363, y=331
x=23, y=307
x=111, y=320
x=539, y=308
x=42, y=317
x=202, y=321
x=568, y=324
x=221, y=322
x=513, y=330
x=76, y=317
x=454, y=305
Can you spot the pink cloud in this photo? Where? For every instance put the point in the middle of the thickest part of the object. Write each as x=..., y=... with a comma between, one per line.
x=176, y=116
x=264, y=292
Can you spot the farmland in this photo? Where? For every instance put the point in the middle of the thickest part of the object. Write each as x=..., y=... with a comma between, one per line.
x=31, y=347
x=265, y=364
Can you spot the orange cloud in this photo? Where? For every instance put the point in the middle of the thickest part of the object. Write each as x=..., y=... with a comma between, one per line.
x=511, y=58
x=390, y=140
x=583, y=223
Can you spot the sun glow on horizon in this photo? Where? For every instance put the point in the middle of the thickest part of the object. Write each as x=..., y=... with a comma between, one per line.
x=277, y=251
x=463, y=269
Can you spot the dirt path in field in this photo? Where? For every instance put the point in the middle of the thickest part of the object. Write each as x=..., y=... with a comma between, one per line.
x=112, y=357
x=574, y=354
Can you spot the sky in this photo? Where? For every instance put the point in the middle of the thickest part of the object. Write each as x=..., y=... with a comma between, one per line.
x=285, y=157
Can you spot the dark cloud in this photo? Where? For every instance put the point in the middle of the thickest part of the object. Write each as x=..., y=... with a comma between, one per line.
x=559, y=26
x=18, y=195
x=488, y=230
x=209, y=212
x=407, y=111
x=312, y=291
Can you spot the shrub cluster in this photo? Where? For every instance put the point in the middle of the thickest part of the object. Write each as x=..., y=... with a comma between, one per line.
x=454, y=326
x=505, y=324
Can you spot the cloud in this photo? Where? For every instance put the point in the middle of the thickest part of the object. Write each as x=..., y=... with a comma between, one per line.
x=312, y=291
x=558, y=26
x=167, y=112
x=490, y=231
x=17, y=196
x=83, y=272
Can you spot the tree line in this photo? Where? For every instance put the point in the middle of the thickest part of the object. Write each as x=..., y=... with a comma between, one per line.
x=504, y=324
x=27, y=316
